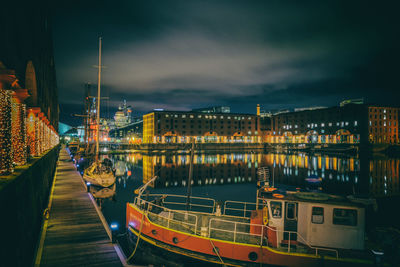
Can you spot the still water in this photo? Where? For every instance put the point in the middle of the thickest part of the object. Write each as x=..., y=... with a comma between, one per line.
x=233, y=176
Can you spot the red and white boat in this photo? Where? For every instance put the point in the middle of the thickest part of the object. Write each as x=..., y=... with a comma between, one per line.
x=295, y=229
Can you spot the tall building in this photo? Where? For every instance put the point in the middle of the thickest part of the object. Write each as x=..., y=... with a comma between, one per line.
x=383, y=125
x=178, y=127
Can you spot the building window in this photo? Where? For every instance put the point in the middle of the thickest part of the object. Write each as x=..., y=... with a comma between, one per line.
x=384, y=111
x=317, y=215
x=330, y=124
x=322, y=124
x=345, y=217
x=347, y=123
x=370, y=123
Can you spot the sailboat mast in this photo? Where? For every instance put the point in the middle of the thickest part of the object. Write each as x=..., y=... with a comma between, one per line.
x=189, y=191
x=98, y=104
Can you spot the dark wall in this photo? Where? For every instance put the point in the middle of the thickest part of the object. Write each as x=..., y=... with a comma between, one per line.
x=25, y=30
x=22, y=202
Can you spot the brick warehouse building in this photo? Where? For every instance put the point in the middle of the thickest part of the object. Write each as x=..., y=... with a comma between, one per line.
x=178, y=127
x=348, y=124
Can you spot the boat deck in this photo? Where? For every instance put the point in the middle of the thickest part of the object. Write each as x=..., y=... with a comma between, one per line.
x=74, y=234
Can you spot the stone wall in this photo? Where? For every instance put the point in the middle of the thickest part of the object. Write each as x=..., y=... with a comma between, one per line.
x=23, y=199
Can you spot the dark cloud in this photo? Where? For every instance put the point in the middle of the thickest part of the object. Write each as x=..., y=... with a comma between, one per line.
x=185, y=54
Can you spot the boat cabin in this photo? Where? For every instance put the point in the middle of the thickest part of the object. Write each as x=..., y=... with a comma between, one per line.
x=315, y=219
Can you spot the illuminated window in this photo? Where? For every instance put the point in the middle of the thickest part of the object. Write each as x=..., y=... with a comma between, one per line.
x=330, y=124
x=166, y=115
x=199, y=116
x=356, y=123
x=384, y=111
x=337, y=124
x=384, y=123
x=322, y=124
x=191, y=116
x=222, y=117
x=347, y=123
x=176, y=116
x=370, y=123
x=384, y=117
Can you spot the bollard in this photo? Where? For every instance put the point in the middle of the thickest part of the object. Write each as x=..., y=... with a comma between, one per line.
x=378, y=257
x=114, y=230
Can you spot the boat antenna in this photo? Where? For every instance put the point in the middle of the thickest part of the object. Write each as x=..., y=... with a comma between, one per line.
x=189, y=191
x=98, y=102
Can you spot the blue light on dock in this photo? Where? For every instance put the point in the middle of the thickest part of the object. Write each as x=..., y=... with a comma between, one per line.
x=88, y=183
x=114, y=226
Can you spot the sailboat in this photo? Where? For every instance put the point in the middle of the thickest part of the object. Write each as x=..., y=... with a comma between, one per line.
x=99, y=173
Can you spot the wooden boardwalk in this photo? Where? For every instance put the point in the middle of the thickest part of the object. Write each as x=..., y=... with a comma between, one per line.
x=75, y=235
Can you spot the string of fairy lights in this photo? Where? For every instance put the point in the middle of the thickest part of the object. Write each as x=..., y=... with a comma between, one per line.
x=23, y=133
x=6, y=153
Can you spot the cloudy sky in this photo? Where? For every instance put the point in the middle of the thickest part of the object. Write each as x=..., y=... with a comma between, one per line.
x=180, y=55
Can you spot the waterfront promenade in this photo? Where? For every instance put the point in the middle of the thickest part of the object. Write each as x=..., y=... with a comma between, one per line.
x=74, y=233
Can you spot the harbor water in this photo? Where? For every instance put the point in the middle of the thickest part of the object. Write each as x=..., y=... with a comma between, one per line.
x=233, y=176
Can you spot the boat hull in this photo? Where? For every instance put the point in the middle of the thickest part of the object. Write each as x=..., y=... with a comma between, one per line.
x=203, y=248
x=103, y=181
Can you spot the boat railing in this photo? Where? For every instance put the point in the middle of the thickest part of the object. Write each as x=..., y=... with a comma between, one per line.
x=173, y=219
x=256, y=234
x=196, y=202
x=237, y=207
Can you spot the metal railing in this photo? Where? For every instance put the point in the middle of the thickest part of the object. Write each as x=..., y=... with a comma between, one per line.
x=229, y=203
x=231, y=230
x=168, y=200
x=174, y=219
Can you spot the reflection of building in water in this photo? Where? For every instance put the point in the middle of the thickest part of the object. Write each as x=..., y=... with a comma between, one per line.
x=173, y=170
x=384, y=177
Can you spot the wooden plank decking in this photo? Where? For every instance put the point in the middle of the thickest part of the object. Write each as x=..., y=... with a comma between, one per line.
x=75, y=235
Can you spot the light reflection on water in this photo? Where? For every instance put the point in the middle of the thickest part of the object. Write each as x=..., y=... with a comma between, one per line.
x=233, y=176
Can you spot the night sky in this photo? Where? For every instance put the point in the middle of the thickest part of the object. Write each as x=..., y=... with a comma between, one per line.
x=180, y=55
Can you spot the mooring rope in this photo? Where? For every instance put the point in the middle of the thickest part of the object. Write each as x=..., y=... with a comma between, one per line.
x=216, y=251
x=138, y=239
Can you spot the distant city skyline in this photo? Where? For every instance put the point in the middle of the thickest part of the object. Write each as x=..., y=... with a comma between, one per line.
x=182, y=55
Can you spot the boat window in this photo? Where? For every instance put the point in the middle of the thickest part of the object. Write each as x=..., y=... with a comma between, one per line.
x=317, y=215
x=345, y=217
x=291, y=211
x=276, y=208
